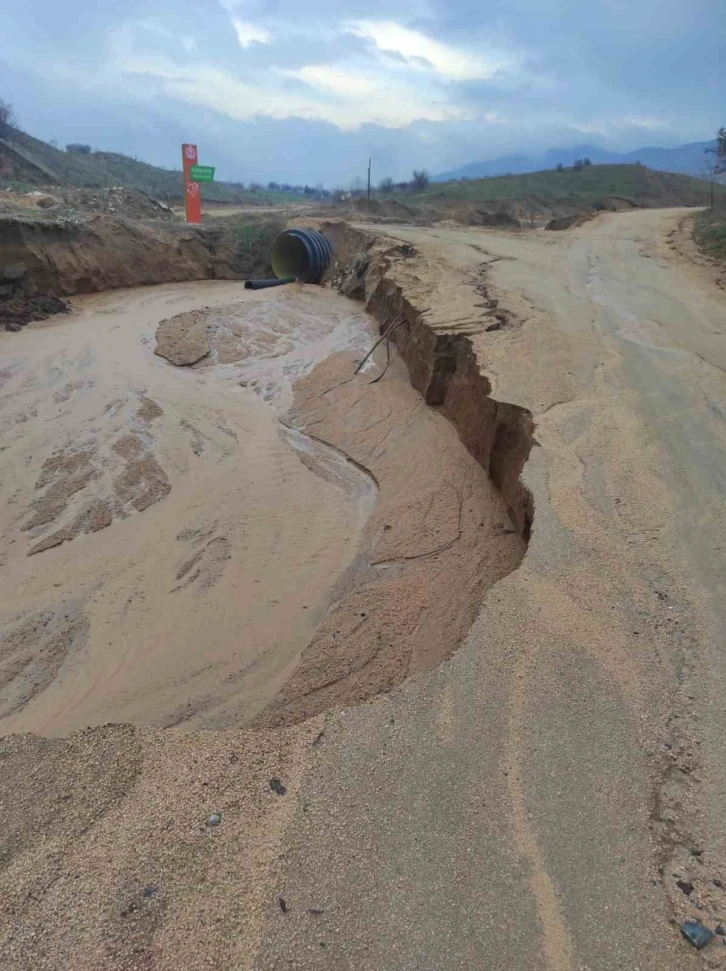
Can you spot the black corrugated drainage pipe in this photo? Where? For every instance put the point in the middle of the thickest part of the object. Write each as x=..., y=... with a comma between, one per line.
x=301, y=253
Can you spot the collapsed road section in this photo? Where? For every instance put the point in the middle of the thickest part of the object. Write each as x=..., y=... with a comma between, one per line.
x=254, y=536
x=295, y=567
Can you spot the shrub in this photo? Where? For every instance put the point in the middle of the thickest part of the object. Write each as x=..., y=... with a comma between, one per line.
x=7, y=118
x=420, y=179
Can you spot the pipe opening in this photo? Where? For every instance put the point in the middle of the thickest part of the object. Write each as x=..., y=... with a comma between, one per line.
x=290, y=257
x=301, y=253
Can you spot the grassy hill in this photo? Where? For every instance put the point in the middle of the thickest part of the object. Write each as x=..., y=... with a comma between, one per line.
x=30, y=161
x=594, y=186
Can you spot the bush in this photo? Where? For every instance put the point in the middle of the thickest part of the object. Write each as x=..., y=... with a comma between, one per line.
x=76, y=148
x=420, y=179
x=386, y=185
x=7, y=118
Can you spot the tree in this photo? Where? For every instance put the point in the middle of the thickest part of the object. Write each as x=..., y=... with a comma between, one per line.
x=420, y=179
x=719, y=151
x=560, y=167
x=7, y=118
x=386, y=185
x=578, y=164
x=76, y=148
x=586, y=161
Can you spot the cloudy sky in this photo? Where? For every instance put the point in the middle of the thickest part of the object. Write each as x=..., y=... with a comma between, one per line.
x=305, y=91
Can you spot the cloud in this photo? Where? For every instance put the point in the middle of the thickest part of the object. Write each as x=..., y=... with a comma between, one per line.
x=337, y=81
x=422, y=53
x=618, y=123
x=342, y=99
x=248, y=33
x=349, y=95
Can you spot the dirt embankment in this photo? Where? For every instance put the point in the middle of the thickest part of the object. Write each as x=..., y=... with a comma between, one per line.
x=104, y=252
x=396, y=286
x=48, y=256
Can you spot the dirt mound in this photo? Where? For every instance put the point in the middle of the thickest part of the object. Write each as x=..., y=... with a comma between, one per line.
x=28, y=307
x=124, y=202
x=20, y=302
x=569, y=222
x=183, y=340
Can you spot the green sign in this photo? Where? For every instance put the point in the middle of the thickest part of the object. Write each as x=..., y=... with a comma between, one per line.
x=201, y=173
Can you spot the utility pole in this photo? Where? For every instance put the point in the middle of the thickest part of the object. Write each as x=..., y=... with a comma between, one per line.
x=369, y=185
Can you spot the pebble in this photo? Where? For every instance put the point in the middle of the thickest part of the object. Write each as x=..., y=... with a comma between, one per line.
x=214, y=819
x=695, y=933
x=721, y=930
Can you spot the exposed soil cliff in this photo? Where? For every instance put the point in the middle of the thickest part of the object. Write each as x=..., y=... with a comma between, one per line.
x=429, y=328
x=101, y=252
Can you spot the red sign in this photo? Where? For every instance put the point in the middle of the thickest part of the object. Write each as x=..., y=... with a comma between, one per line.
x=192, y=194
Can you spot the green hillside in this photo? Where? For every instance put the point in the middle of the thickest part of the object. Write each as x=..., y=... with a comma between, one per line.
x=590, y=187
x=30, y=161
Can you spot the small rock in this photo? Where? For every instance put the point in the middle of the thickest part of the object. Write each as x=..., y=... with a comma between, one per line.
x=721, y=930
x=277, y=787
x=282, y=905
x=696, y=934
x=12, y=326
x=315, y=911
x=686, y=886
x=214, y=819
x=13, y=273
x=150, y=892
x=717, y=883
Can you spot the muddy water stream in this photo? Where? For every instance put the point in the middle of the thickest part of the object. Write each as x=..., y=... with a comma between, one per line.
x=166, y=555
x=247, y=540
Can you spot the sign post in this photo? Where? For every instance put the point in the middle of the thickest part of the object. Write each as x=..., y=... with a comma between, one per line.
x=192, y=195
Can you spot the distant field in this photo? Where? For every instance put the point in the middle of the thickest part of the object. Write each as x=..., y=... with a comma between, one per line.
x=590, y=187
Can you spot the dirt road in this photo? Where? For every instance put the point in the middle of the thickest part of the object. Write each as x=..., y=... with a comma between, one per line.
x=534, y=802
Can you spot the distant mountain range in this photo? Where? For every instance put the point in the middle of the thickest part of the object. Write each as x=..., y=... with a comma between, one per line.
x=685, y=159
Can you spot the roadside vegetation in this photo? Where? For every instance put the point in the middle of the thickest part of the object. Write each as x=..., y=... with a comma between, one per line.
x=710, y=233
x=709, y=230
